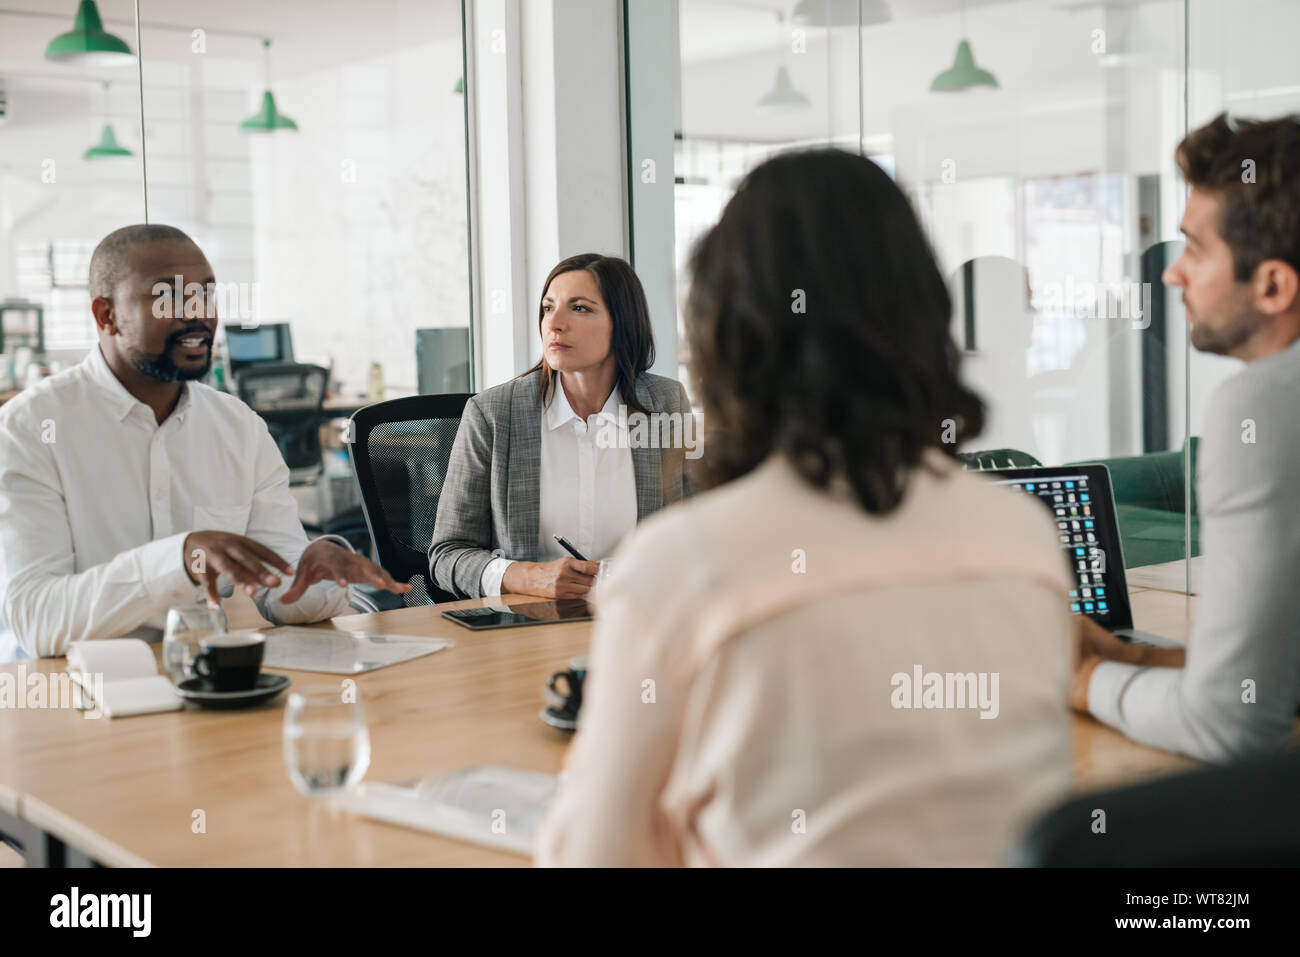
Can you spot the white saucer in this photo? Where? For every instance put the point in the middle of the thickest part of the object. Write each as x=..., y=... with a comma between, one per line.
x=556, y=719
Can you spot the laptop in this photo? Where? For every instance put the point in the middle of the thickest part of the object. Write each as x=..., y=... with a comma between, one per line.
x=1080, y=501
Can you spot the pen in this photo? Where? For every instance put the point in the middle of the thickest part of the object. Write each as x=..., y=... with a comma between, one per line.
x=569, y=548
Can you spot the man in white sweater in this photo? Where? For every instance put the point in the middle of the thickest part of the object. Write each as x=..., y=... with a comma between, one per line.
x=1233, y=692
x=127, y=486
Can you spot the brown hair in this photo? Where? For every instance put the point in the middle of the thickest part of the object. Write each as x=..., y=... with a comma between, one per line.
x=1253, y=166
x=818, y=324
x=632, y=339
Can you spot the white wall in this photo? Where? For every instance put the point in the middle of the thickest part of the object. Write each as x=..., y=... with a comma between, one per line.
x=550, y=180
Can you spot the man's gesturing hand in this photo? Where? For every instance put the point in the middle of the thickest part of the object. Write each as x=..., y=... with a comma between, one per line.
x=325, y=561
x=208, y=554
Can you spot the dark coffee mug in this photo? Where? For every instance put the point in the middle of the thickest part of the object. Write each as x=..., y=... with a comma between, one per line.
x=570, y=699
x=231, y=662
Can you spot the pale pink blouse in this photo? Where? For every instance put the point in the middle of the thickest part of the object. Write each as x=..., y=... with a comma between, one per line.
x=752, y=663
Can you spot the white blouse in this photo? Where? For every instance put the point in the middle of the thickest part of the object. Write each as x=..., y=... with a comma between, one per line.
x=587, y=488
x=778, y=677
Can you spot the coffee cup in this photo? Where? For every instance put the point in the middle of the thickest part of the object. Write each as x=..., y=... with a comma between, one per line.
x=231, y=661
x=567, y=698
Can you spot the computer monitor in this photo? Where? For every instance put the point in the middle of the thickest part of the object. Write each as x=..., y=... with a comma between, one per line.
x=442, y=360
x=269, y=342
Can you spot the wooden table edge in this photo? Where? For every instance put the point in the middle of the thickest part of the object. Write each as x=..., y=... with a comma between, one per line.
x=89, y=842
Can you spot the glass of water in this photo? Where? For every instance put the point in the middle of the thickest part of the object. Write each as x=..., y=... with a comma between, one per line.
x=603, y=575
x=187, y=625
x=326, y=744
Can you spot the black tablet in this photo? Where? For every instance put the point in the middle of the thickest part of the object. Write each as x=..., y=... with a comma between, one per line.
x=532, y=613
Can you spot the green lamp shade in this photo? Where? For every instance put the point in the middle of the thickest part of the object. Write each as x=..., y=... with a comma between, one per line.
x=460, y=85
x=268, y=118
x=783, y=92
x=963, y=74
x=88, y=42
x=107, y=146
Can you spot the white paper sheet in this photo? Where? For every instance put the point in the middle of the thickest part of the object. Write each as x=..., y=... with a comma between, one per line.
x=485, y=804
x=342, y=652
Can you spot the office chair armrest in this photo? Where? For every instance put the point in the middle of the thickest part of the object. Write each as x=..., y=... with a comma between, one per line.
x=335, y=538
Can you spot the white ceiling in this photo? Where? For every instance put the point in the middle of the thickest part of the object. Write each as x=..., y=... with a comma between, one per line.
x=715, y=29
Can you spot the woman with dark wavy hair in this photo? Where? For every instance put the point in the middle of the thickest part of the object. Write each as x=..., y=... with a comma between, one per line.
x=795, y=667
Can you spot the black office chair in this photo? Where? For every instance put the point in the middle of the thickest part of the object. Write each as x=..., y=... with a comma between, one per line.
x=1242, y=815
x=290, y=397
x=400, y=449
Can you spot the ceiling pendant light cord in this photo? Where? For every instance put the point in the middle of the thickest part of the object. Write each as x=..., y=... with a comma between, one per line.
x=144, y=157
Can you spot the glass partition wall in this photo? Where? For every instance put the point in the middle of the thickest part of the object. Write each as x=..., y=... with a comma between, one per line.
x=1035, y=139
x=316, y=152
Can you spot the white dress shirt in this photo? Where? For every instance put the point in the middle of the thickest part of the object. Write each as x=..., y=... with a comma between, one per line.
x=587, y=491
x=96, y=499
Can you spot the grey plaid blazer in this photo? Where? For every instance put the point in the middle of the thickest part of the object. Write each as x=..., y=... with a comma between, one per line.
x=490, y=503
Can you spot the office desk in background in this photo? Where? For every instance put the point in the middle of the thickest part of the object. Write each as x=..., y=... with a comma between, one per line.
x=342, y=406
x=126, y=791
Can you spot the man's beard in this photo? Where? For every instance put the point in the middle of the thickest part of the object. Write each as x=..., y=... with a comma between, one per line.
x=1227, y=338
x=161, y=366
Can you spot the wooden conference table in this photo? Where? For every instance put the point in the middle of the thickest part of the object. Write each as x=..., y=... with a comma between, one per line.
x=127, y=791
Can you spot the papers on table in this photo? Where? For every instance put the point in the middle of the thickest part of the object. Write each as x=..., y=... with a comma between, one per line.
x=342, y=652
x=484, y=804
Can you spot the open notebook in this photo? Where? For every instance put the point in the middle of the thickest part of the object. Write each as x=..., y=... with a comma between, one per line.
x=120, y=678
x=485, y=804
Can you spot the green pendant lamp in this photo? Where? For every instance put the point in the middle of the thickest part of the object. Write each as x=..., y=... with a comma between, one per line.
x=460, y=86
x=963, y=74
x=268, y=119
x=107, y=146
x=783, y=93
x=88, y=42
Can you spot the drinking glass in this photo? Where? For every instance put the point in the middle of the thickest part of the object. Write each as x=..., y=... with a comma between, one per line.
x=603, y=575
x=187, y=625
x=326, y=744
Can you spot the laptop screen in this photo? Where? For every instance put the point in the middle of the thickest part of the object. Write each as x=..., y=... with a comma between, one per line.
x=1079, y=501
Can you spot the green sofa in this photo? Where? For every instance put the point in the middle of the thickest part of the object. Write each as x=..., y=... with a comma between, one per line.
x=1149, y=499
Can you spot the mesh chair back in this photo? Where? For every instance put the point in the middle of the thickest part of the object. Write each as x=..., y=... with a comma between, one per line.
x=289, y=397
x=400, y=451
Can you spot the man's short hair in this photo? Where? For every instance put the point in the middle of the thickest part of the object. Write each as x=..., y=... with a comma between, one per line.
x=1253, y=166
x=109, y=258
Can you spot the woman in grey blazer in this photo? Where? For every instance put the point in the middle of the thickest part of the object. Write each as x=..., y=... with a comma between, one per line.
x=583, y=446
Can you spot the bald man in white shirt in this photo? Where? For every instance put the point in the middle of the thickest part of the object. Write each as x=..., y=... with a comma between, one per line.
x=127, y=486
